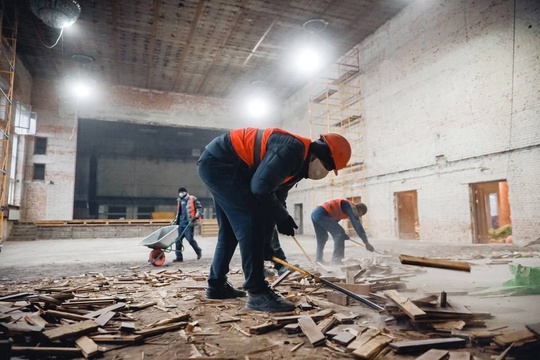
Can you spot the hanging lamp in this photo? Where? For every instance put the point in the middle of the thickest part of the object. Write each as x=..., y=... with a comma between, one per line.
x=56, y=13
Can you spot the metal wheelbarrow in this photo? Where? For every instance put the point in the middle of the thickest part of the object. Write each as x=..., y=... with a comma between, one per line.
x=161, y=241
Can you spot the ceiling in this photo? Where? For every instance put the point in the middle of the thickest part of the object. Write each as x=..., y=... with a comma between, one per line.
x=202, y=47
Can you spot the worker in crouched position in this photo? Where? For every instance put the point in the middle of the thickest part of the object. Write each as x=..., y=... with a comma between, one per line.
x=326, y=217
x=249, y=172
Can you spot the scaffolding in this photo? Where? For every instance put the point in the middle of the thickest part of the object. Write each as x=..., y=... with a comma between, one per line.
x=8, y=55
x=336, y=107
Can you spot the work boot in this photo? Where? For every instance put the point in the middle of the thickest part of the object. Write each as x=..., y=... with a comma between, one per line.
x=199, y=254
x=268, y=300
x=178, y=260
x=226, y=291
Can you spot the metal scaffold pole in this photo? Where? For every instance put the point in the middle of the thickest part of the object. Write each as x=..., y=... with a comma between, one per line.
x=336, y=106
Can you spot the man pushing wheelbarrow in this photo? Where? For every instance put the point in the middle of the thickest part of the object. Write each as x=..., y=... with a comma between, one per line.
x=188, y=213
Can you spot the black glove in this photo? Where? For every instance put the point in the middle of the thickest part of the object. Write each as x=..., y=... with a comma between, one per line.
x=369, y=247
x=287, y=226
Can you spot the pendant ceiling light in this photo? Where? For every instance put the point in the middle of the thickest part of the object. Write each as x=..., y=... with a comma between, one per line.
x=56, y=13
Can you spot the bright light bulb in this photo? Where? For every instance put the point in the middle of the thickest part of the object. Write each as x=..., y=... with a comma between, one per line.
x=308, y=60
x=257, y=107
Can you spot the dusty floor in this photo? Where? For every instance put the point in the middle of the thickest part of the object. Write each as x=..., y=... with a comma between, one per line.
x=49, y=261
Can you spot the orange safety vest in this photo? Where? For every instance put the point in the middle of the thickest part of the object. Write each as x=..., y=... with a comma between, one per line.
x=243, y=142
x=333, y=208
x=193, y=209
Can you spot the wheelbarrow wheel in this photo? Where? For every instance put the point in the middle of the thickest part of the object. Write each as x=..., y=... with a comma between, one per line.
x=157, y=257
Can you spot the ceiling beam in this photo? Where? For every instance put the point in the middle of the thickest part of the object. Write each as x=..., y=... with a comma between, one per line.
x=191, y=35
x=222, y=45
x=151, y=47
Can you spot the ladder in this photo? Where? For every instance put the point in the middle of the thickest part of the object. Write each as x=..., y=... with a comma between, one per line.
x=8, y=56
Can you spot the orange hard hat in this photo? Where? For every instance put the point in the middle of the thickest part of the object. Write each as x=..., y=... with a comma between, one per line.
x=339, y=148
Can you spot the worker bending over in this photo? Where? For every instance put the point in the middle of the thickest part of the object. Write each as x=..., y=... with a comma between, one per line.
x=249, y=172
x=326, y=217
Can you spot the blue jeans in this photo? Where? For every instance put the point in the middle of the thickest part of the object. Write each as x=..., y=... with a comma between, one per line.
x=324, y=224
x=186, y=232
x=241, y=219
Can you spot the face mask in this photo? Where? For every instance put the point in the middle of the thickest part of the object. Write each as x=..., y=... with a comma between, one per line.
x=316, y=170
x=182, y=194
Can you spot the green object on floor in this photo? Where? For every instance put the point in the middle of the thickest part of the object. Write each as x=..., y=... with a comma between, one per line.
x=526, y=276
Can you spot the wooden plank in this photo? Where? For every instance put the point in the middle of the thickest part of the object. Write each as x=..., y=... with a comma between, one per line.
x=121, y=339
x=372, y=347
x=326, y=324
x=36, y=319
x=362, y=338
x=40, y=352
x=436, y=263
x=280, y=279
x=161, y=329
x=310, y=329
x=434, y=354
x=337, y=298
x=283, y=320
x=459, y=355
x=88, y=347
x=323, y=96
x=405, y=304
x=97, y=313
x=14, y=296
x=21, y=328
x=344, y=338
x=360, y=289
x=66, y=315
x=535, y=328
x=71, y=330
x=402, y=347
x=509, y=337
x=266, y=327
x=104, y=318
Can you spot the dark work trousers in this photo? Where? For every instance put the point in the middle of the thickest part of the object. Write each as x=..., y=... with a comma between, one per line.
x=241, y=220
x=324, y=224
x=189, y=235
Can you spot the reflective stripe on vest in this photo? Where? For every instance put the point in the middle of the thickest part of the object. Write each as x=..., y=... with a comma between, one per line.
x=333, y=208
x=243, y=142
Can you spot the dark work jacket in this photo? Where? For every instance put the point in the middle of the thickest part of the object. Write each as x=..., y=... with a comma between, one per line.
x=284, y=158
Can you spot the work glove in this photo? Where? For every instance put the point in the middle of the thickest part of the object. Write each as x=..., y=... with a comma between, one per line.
x=369, y=247
x=287, y=226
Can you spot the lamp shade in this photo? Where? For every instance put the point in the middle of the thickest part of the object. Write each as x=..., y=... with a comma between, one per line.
x=56, y=13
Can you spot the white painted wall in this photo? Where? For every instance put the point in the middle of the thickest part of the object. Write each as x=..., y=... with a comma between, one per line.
x=460, y=80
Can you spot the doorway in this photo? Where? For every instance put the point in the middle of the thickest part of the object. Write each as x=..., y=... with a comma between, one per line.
x=407, y=215
x=491, y=212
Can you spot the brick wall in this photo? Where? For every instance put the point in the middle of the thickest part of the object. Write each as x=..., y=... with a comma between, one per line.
x=450, y=92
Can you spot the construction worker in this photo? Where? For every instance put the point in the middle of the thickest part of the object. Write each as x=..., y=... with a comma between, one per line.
x=326, y=217
x=249, y=172
x=188, y=212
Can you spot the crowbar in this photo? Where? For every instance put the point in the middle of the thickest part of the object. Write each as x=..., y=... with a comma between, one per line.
x=330, y=284
x=360, y=244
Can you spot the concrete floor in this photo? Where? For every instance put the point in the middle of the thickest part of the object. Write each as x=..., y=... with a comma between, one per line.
x=25, y=261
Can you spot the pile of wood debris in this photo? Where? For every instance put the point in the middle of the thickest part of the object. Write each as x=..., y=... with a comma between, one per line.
x=162, y=314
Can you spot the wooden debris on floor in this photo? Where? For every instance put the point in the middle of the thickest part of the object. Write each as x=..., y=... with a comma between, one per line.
x=89, y=317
